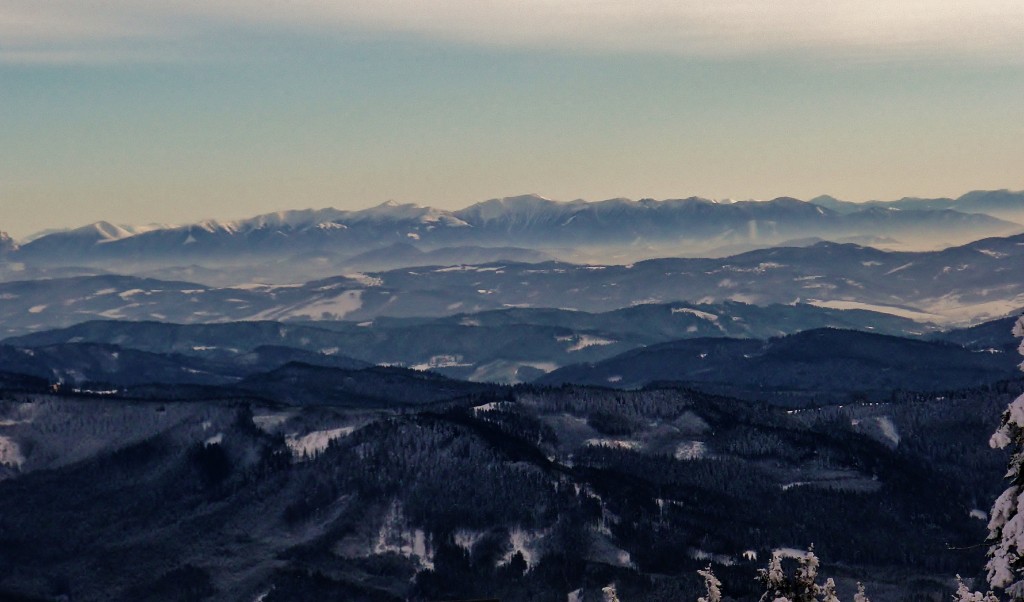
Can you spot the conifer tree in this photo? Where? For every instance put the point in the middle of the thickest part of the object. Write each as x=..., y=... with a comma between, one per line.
x=828, y=591
x=774, y=580
x=964, y=593
x=860, y=596
x=1006, y=526
x=801, y=587
x=713, y=585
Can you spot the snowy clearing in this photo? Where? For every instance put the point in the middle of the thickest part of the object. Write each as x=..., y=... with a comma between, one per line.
x=917, y=316
x=690, y=450
x=316, y=442
x=364, y=279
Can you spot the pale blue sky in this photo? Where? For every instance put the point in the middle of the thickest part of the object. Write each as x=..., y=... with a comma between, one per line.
x=176, y=111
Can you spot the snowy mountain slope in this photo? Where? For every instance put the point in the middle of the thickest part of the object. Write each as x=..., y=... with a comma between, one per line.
x=86, y=239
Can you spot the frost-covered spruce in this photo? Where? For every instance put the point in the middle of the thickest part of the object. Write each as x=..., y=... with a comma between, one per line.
x=964, y=594
x=1006, y=527
x=807, y=590
x=610, y=594
x=802, y=587
x=713, y=585
x=860, y=596
x=774, y=580
x=828, y=591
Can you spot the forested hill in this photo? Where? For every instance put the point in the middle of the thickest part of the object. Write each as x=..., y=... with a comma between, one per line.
x=520, y=494
x=810, y=367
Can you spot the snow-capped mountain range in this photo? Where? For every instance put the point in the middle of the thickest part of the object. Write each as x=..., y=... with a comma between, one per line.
x=532, y=221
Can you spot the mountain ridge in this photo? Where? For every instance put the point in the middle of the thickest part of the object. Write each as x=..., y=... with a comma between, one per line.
x=817, y=364
x=958, y=285
x=1000, y=203
x=529, y=220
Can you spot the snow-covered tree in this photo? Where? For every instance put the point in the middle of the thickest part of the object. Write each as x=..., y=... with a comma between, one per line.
x=713, y=585
x=1006, y=527
x=610, y=594
x=828, y=591
x=801, y=587
x=964, y=593
x=807, y=590
x=774, y=579
x=860, y=596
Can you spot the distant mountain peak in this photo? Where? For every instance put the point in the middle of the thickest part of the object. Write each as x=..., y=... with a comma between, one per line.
x=104, y=231
x=505, y=207
x=522, y=200
x=531, y=196
x=788, y=200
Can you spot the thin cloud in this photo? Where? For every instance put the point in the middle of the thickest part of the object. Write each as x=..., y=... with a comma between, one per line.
x=985, y=30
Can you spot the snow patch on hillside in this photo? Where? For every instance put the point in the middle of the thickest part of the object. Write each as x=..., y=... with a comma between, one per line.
x=267, y=422
x=528, y=543
x=721, y=559
x=585, y=340
x=991, y=253
x=604, y=550
x=917, y=316
x=396, y=536
x=612, y=443
x=441, y=361
x=506, y=371
x=791, y=552
x=365, y=279
x=316, y=442
x=955, y=309
x=466, y=539
x=492, y=406
x=899, y=269
x=690, y=450
x=10, y=452
x=328, y=307
x=888, y=429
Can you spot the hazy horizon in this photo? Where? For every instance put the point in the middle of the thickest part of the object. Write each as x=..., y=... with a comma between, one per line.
x=178, y=110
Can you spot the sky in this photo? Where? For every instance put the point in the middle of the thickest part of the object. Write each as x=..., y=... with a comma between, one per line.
x=172, y=111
